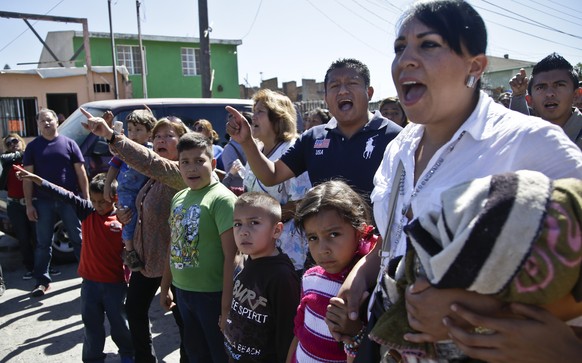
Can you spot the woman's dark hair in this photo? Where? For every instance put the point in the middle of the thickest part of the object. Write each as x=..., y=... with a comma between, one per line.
x=456, y=21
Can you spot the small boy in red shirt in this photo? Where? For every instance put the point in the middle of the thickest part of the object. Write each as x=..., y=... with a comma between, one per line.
x=104, y=288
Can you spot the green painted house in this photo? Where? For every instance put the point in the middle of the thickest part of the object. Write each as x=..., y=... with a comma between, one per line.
x=172, y=64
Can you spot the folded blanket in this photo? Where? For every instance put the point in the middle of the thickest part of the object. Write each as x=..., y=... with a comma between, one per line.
x=514, y=235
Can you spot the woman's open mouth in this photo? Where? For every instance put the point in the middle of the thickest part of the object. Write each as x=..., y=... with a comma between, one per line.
x=412, y=92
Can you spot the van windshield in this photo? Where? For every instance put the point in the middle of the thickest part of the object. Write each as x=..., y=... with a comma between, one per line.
x=73, y=127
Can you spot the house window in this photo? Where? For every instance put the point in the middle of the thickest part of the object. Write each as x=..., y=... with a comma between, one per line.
x=128, y=56
x=190, y=61
x=101, y=88
x=18, y=115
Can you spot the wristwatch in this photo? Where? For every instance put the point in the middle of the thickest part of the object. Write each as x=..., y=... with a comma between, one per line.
x=112, y=138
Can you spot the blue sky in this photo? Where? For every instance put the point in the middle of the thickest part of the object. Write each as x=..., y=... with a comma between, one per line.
x=295, y=39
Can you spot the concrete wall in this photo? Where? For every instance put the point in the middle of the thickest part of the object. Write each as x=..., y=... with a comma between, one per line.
x=312, y=90
x=61, y=43
x=31, y=85
x=291, y=90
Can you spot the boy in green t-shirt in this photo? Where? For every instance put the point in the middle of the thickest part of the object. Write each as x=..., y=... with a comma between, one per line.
x=202, y=252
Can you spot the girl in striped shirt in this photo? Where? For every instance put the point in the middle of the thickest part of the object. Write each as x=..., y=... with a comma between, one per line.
x=335, y=220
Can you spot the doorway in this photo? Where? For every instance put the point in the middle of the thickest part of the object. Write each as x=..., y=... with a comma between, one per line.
x=62, y=103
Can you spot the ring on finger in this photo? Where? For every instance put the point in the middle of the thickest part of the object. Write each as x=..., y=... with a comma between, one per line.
x=483, y=331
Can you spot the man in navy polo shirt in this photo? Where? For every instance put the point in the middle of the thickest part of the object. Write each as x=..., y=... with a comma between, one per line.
x=350, y=146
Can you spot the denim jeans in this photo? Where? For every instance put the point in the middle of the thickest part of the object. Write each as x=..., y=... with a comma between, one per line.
x=129, y=228
x=180, y=323
x=203, y=339
x=97, y=300
x=48, y=211
x=24, y=230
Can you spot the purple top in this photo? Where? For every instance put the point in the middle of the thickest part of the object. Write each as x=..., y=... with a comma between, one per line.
x=54, y=161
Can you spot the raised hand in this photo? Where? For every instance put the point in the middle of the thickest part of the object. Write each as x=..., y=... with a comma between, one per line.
x=97, y=125
x=519, y=83
x=108, y=117
x=237, y=126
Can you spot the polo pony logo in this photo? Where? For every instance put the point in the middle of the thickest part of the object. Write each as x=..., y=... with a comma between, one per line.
x=369, y=147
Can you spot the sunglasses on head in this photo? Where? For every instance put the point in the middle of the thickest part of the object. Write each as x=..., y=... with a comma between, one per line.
x=12, y=142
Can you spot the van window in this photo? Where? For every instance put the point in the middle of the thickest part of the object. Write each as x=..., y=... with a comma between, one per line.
x=73, y=128
x=216, y=114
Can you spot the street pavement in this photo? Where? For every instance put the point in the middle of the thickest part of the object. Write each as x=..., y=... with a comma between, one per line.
x=49, y=328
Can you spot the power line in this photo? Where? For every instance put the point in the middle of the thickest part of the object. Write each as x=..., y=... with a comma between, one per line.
x=533, y=36
x=363, y=18
x=382, y=5
x=564, y=6
x=344, y=29
x=254, y=20
x=532, y=22
x=544, y=11
x=400, y=11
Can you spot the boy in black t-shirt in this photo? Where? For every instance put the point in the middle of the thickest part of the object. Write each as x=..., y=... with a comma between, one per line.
x=259, y=327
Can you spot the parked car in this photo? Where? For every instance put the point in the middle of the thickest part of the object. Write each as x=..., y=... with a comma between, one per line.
x=96, y=151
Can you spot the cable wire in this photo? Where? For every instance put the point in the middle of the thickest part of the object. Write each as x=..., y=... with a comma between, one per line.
x=254, y=20
x=344, y=29
x=544, y=12
x=363, y=18
x=533, y=36
x=531, y=21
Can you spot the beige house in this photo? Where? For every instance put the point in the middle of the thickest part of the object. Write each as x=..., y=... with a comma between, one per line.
x=24, y=92
x=499, y=72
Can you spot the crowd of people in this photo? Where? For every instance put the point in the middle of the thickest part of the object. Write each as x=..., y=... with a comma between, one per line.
x=444, y=226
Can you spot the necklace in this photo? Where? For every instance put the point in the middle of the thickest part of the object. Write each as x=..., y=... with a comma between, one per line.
x=419, y=187
x=273, y=149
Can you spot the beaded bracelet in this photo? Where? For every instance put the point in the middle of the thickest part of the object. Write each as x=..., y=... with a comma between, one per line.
x=351, y=349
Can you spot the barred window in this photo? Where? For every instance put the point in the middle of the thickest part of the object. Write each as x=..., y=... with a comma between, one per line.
x=101, y=88
x=128, y=56
x=190, y=61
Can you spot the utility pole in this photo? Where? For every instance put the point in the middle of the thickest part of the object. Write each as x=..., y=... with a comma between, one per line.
x=204, y=48
x=113, y=53
x=142, y=54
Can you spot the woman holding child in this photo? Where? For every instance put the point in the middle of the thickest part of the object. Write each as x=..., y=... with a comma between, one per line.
x=457, y=134
x=152, y=233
